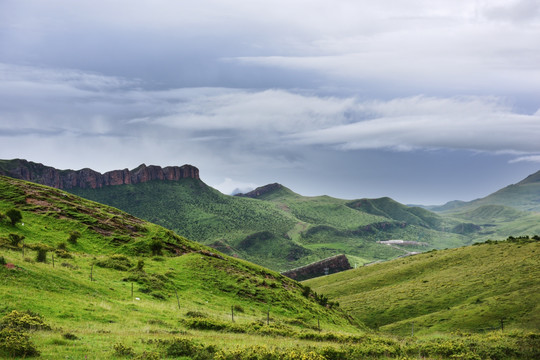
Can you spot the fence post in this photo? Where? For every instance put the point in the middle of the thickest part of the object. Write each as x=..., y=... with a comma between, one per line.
x=91, y=272
x=52, y=259
x=177, y=299
x=232, y=313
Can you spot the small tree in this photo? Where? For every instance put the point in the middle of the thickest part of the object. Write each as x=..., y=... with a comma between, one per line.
x=156, y=246
x=14, y=215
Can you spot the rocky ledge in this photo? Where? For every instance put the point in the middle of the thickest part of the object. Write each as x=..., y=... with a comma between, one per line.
x=88, y=178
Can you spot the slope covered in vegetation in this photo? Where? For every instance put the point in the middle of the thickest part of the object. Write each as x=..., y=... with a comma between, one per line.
x=278, y=228
x=472, y=288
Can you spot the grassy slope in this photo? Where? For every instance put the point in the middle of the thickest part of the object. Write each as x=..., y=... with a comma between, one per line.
x=101, y=313
x=67, y=298
x=470, y=288
x=524, y=196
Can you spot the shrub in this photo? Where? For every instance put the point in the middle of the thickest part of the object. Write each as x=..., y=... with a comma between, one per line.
x=73, y=237
x=186, y=347
x=14, y=216
x=70, y=336
x=123, y=350
x=117, y=262
x=238, y=309
x=196, y=314
x=61, y=246
x=2, y=261
x=156, y=246
x=63, y=254
x=41, y=255
x=15, y=342
x=15, y=239
x=25, y=320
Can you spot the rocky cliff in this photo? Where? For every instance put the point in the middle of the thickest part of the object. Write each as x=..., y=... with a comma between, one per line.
x=327, y=266
x=88, y=178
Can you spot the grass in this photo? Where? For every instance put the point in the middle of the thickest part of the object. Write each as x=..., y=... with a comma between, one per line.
x=182, y=300
x=469, y=289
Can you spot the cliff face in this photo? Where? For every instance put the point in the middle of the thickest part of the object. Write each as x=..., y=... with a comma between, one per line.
x=88, y=178
x=327, y=266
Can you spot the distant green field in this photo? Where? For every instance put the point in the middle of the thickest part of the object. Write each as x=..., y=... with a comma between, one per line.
x=473, y=288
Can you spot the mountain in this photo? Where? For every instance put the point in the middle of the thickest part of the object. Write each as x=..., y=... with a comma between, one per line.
x=469, y=289
x=525, y=196
x=271, y=226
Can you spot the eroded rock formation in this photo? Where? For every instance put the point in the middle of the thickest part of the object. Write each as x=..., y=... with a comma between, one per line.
x=88, y=178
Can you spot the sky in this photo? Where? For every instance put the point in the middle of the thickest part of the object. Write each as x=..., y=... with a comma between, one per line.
x=424, y=101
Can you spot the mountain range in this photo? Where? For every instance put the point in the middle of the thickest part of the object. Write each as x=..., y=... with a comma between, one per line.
x=280, y=229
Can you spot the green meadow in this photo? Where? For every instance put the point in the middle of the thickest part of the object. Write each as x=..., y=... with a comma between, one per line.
x=80, y=280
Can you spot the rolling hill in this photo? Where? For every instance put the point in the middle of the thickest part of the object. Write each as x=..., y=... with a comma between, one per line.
x=121, y=277
x=524, y=196
x=473, y=289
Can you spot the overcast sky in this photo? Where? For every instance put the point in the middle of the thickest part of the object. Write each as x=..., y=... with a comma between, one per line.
x=424, y=101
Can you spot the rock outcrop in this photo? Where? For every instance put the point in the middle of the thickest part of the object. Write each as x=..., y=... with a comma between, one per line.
x=88, y=178
x=327, y=266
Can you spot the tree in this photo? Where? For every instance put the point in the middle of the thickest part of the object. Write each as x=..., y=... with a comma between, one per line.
x=14, y=215
x=156, y=246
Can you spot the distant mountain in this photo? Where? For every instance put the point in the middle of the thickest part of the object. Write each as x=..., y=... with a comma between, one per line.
x=271, y=225
x=525, y=196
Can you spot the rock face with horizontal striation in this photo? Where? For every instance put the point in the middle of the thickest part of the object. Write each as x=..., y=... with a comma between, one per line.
x=327, y=266
x=88, y=178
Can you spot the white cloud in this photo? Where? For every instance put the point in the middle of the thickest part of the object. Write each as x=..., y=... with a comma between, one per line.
x=232, y=187
x=531, y=158
x=431, y=123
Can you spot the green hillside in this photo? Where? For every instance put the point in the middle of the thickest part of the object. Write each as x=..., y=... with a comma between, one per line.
x=524, y=196
x=80, y=280
x=277, y=228
x=471, y=288
x=106, y=276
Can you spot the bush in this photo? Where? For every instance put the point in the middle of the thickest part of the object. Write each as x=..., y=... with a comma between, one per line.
x=14, y=216
x=41, y=255
x=156, y=246
x=73, y=237
x=25, y=320
x=117, y=262
x=123, y=350
x=63, y=254
x=15, y=342
x=15, y=240
x=186, y=347
x=2, y=261
x=70, y=336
